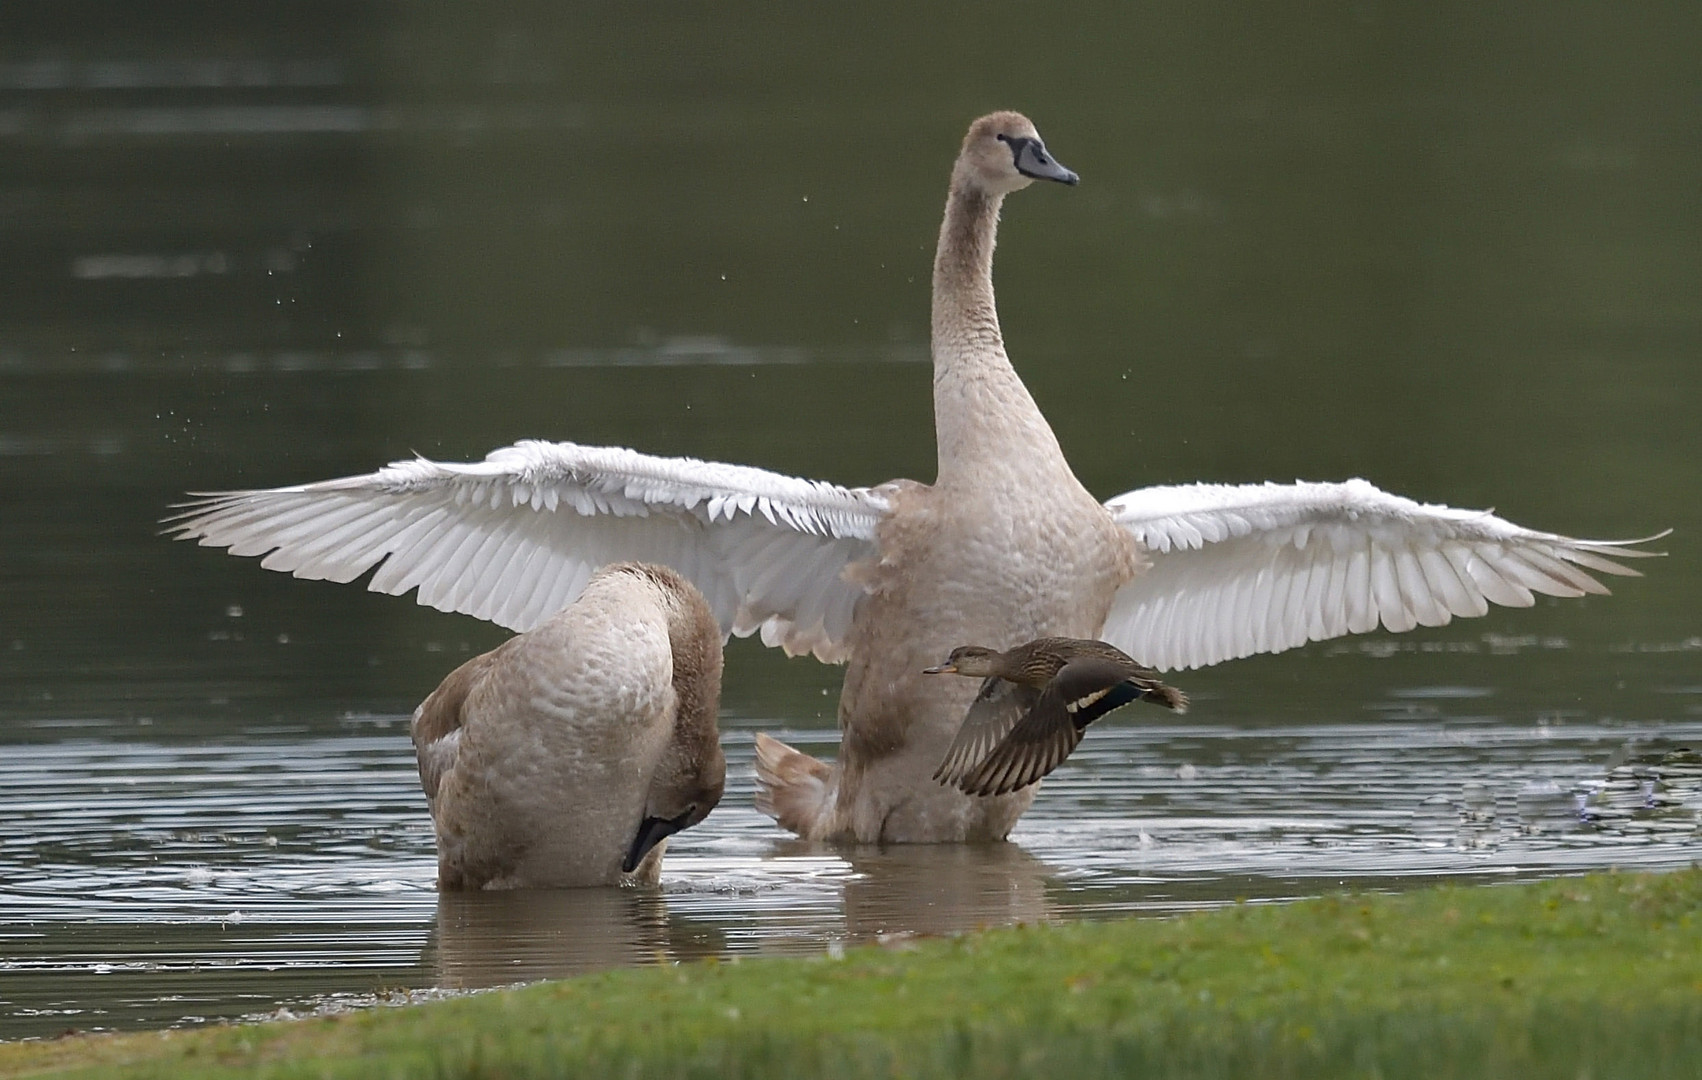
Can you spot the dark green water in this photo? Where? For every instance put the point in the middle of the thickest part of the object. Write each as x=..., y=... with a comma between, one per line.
x=1449, y=249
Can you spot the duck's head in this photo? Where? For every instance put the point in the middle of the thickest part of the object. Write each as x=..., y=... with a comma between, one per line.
x=976, y=661
x=1004, y=153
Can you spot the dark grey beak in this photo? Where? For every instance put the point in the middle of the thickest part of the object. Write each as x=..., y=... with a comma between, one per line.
x=1032, y=160
x=652, y=831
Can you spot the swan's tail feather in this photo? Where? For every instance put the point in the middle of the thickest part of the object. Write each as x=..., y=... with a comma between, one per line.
x=794, y=788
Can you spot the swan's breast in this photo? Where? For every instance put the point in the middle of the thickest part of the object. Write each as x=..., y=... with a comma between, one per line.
x=1005, y=560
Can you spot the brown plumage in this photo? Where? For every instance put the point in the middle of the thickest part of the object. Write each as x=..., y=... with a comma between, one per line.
x=1004, y=546
x=567, y=755
x=1037, y=701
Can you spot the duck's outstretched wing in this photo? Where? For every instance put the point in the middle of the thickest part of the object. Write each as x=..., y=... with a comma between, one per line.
x=1038, y=744
x=1238, y=570
x=997, y=709
x=514, y=538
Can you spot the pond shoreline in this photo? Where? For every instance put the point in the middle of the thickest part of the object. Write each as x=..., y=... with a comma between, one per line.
x=1513, y=980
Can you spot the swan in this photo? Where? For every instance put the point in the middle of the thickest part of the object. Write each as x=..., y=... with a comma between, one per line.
x=1068, y=683
x=569, y=754
x=1003, y=547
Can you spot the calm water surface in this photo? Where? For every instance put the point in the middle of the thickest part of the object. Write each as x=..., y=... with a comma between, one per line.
x=1447, y=249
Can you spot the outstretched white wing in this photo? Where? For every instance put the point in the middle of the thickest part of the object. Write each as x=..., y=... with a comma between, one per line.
x=1238, y=570
x=514, y=538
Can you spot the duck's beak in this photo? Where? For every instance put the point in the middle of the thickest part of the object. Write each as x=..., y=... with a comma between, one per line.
x=943, y=669
x=651, y=831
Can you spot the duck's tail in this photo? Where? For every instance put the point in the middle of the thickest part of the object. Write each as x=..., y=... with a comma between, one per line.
x=794, y=788
x=1167, y=696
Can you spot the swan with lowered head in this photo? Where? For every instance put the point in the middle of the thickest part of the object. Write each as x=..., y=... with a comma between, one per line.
x=1005, y=546
x=569, y=754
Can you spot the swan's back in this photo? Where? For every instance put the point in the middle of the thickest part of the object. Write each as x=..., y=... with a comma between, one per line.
x=539, y=757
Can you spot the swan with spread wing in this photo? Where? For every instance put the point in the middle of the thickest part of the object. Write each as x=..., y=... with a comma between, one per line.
x=1003, y=547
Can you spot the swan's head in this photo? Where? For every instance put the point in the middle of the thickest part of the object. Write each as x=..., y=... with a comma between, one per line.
x=682, y=794
x=1003, y=153
x=973, y=660
x=692, y=772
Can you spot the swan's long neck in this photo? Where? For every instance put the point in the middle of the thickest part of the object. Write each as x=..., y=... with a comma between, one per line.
x=984, y=418
x=696, y=641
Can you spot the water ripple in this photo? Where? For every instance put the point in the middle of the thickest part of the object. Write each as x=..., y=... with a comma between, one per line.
x=160, y=883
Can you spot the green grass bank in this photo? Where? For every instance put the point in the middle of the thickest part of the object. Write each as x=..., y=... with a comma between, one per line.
x=1598, y=976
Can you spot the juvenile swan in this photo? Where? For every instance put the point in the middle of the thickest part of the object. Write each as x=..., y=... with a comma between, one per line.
x=1005, y=546
x=1066, y=684
x=567, y=755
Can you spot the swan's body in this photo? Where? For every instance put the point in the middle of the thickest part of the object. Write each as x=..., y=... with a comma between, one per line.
x=1064, y=684
x=1005, y=542
x=567, y=755
x=1005, y=546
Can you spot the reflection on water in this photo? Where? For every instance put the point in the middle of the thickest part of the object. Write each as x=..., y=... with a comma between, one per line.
x=489, y=939
x=921, y=890
x=160, y=883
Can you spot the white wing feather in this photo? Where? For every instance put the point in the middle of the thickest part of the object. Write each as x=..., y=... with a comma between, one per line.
x=514, y=538
x=1238, y=570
